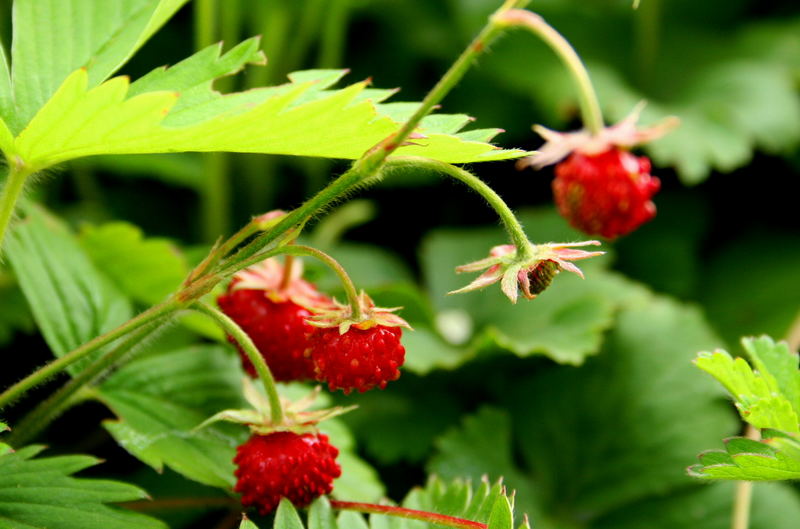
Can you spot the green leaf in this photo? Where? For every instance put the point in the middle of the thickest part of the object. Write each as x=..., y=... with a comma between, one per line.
x=501, y=517
x=71, y=300
x=147, y=270
x=286, y=517
x=774, y=506
x=54, y=38
x=39, y=493
x=160, y=399
x=247, y=524
x=588, y=438
x=759, y=396
x=6, y=97
x=777, y=457
x=274, y=120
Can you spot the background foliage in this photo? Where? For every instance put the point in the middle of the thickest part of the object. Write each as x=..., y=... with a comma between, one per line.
x=585, y=400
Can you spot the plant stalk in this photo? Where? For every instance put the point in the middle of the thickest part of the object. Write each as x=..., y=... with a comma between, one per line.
x=370, y=163
x=250, y=349
x=58, y=365
x=333, y=264
x=18, y=173
x=743, y=497
x=510, y=222
x=590, y=106
x=411, y=514
x=70, y=393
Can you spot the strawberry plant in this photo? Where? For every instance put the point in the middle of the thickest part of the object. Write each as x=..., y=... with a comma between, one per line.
x=190, y=292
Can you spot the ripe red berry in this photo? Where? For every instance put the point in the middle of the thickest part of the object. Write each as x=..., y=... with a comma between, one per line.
x=285, y=464
x=607, y=194
x=359, y=359
x=278, y=330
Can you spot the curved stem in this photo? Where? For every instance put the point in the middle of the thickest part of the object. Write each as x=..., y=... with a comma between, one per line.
x=411, y=514
x=249, y=348
x=370, y=163
x=15, y=183
x=69, y=394
x=347, y=283
x=510, y=222
x=58, y=365
x=590, y=107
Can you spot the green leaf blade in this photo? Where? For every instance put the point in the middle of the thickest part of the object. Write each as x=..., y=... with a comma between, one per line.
x=40, y=493
x=71, y=301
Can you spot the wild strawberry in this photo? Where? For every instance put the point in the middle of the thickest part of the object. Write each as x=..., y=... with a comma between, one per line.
x=358, y=359
x=274, y=315
x=601, y=188
x=283, y=464
x=607, y=193
x=357, y=353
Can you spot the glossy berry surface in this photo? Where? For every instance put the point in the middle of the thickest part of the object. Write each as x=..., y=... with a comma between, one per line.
x=607, y=194
x=278, y=329
x=359, y=359
x=284, y=464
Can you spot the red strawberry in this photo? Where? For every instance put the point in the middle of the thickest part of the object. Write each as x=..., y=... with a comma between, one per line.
x=359, y=359
x=285, y=464
x=607, y=193
x=278, y=329
x=273, y=313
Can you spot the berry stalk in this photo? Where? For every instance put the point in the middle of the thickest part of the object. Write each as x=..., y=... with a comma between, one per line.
x=411, y=514
x=372, y=161
x=590, y=107
x=333, y=264
x=510, y=222
x=247, y=345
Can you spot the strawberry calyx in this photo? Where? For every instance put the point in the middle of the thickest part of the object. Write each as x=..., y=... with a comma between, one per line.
x=297, y=417
x=529, y=272
x=625, y=134
x=342, y=316
x=268, y=276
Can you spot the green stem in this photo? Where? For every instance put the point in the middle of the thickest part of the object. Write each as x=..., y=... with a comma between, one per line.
x=744, y=492
x=410, y=514
x=488, y=34
x=247, y=345
x=510, y=222
x=216, y=196
x=205, y=23
x=647, y=37
x=347, y=283
x=18, y=173
x=71, y=393
x=60, y=364
x=590, y=107
x=370, y=163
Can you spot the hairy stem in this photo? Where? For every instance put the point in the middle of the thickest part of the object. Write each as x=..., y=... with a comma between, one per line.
x=744, y=492
x=69, y=394
x=333, y=264
x=246, y=343
x=411, y=514
x=18, y=173
x=369, y=165
x=58, y=365
x=510, y=222
x=590, y=107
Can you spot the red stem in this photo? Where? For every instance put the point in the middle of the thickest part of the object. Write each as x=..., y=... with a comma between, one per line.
x=424, y=516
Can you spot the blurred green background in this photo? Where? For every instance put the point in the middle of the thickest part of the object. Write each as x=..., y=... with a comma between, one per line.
x=490, y=388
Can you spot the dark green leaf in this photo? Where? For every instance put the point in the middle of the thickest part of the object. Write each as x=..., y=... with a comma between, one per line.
x=71, y=300
x=589, y=436
x=38, y=493
x=147, y=270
